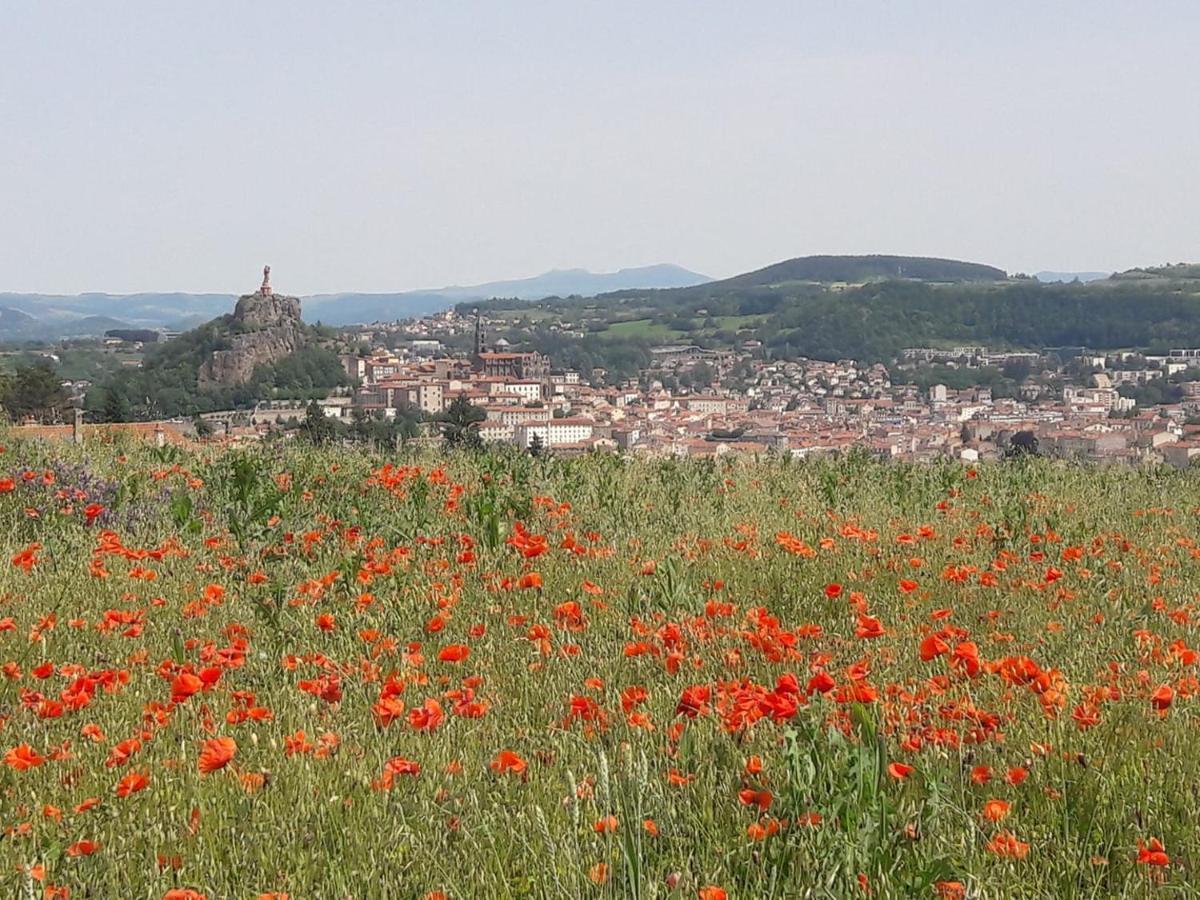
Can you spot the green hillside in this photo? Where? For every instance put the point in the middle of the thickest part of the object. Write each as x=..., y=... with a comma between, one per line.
x=857, y=269
x=871, y=319
x=167, y=383
x=877, y=321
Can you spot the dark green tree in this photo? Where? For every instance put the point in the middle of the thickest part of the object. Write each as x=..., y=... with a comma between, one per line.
x=1022, y=444
x=1017, y=370
x=116, y=406
x=459, y=424
x=35, y=391
x=318, y=427
x=360, y=425
x=699, y=376
x=406, y=425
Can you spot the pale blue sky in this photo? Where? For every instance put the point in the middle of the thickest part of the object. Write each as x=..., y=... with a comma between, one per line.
x=386, y=146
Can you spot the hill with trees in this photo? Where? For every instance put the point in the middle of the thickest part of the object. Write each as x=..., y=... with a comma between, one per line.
x=872, y=319
x=857, y=269
x=18, y=325
x=55, y=316
x=260, y=351
x=877, y=321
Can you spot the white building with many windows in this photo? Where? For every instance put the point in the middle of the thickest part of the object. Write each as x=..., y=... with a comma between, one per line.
x=555, y=432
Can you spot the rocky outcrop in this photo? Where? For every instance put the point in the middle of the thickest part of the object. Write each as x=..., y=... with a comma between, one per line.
x=265, y=327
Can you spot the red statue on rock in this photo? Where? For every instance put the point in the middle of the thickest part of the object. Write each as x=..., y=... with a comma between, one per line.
x=265, y=290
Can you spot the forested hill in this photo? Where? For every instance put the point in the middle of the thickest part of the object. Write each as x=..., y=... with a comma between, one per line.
x=800, y=276
x=1146, y=309
x=168, y=383
x=857, y=269
x=877, y=321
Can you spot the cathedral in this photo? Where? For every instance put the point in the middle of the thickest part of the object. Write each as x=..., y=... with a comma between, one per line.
x=530, y=366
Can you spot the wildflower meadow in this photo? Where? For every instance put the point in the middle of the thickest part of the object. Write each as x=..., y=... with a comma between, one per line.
x=309, y=673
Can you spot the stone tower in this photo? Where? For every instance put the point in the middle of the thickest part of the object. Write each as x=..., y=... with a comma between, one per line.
x=478, y=335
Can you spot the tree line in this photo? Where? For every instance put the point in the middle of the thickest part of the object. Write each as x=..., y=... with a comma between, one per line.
x=875, y=322
x=166, y=385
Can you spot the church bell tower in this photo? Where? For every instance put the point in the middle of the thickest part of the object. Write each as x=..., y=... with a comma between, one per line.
x=478, y=338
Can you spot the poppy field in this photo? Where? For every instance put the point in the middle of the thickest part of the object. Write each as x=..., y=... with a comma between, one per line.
x=297, y=672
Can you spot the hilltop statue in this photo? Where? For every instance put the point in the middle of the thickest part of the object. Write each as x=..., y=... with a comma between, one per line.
x=265, y=327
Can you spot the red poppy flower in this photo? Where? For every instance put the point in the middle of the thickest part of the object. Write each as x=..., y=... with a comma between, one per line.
x=216, y=754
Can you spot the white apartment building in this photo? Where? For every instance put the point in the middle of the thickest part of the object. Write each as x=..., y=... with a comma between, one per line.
x=714, y=405
x=554, y=432
x=515, y=415
x=528, y=391
x=493, y=431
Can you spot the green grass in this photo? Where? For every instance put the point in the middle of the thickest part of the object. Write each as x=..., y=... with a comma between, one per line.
x=689, y=578
x=735, y=323
x=642, y=328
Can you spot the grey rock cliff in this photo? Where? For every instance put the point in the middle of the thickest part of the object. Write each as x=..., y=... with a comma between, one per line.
x=264, y=328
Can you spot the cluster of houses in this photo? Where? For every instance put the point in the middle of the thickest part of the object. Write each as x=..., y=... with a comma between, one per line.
x=799, y=407
x=1073, y=404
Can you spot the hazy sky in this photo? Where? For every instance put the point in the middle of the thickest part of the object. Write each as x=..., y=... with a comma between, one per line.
x=385, y=146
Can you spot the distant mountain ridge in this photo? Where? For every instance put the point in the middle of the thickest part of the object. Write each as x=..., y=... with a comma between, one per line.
x=565, y=282
x=18, y=325
x=345, y=309
x=873, y=267
x=52, y=316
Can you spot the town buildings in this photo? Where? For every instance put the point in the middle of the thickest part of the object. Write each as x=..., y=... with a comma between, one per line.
x=1079, y=405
